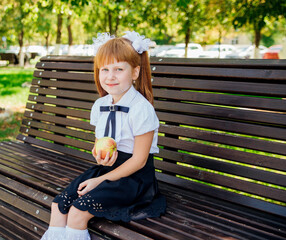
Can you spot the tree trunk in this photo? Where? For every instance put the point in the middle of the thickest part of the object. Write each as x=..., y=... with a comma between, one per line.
x=110, y=21
x=47, y=42
x=117, y=24
x=69, y=34
x=219, y=41
x=59, y=33
x=187, y=39
x=256, y=42
x=21, y=51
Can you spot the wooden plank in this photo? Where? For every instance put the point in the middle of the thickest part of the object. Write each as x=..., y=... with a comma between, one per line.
x=18, y=230
x=242, y=74
x=225, y=153
x=37, y=152
x=28, y=207
x=263, y=89
x=228, y=126
x=224, y=195
x=60, y=130
x=56, y=147
x=65, y=66
x=59, y=120
x=222, y=180
x=223, y=209
x=65, y=94
x=79, y=86
x=58, y=139
x=25, y=161
x=225, y=138
x=75, y=76
x=59, y=110
x=222, y=112
x=228, y=63
x=224, y=167
x=67, y=58
x=23, y=219
x=61, y=102
x=220, y=99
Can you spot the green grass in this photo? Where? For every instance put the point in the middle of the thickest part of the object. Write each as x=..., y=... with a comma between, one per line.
x=13, y=97
x=12, y=93
x=9, y=127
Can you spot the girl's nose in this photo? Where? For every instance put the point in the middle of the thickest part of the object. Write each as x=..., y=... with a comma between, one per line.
x=111, y=74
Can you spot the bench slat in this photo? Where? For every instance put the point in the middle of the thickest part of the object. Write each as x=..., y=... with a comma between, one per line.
x=260, y=74
x=59, y=120
x=228, y=126
x=224, y=153
x=65, y=85
x=61, y=102
x=56, y=147
x=221, y=99
x=223, y=194
x=264, y=89
x=85, y=67
x=60, y=130
x=67, y=94
x=224, y=181
x=246, y=115
x=224, y=138
x=87, y=77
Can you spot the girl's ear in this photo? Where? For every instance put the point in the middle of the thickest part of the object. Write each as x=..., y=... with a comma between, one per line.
x=136, y=72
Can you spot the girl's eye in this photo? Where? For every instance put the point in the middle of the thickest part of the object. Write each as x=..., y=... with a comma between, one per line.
x=104, y=69
x=119, y=69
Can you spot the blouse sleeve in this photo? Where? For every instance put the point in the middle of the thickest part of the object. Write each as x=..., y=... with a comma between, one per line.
x=143, y=119
x=94, y=113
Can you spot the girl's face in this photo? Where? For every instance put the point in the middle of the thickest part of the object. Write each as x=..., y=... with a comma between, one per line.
x=116, y=78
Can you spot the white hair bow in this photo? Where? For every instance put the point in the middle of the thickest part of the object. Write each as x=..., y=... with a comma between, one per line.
x=100, y=40
x=139, y=43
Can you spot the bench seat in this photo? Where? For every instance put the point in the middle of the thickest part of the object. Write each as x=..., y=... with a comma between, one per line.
x=31, y=177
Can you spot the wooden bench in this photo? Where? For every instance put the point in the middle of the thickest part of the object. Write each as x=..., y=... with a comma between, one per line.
x=221, y=166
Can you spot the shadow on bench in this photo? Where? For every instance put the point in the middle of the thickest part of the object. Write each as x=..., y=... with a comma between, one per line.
x=222, y=150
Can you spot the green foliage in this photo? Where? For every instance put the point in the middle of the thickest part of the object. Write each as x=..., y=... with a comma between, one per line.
x=166, y=21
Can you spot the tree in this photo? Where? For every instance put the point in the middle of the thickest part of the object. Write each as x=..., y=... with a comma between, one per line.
x=18, y=17
x=256, y=13
x=191, y=18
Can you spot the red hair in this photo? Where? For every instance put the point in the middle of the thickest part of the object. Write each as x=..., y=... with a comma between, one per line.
x=121, y=50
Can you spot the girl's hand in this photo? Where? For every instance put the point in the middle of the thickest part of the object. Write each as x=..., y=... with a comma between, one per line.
x=88, y=185
x=106, y=161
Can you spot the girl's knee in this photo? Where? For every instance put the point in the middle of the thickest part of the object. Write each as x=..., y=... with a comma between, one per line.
x=78, y=219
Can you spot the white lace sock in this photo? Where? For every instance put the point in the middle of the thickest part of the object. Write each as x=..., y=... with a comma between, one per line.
x=76, y=234
x=55, y=233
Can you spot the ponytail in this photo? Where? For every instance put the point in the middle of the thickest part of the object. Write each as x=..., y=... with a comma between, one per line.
x=143, y=83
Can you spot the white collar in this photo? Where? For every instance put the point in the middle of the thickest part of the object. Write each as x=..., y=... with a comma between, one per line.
x=126, y=99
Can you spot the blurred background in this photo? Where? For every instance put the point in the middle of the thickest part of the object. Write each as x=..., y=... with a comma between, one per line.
x=228, y=29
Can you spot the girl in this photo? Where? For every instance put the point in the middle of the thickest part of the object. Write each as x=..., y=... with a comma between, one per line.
x=122, y=187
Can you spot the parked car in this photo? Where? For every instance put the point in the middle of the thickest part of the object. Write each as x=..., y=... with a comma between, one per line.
x=273, y=52
x=246, y=52
x=194, y=50
x=159, y=50
x=36, y=50
x=217, y=51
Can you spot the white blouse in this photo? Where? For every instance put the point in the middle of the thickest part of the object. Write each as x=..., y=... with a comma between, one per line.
x=140, y=119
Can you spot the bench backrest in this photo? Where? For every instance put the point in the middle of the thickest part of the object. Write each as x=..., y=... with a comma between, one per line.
x=223, y=123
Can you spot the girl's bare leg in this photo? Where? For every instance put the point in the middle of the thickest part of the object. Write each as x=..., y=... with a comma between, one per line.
x=78, y=219
x=57, y=218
